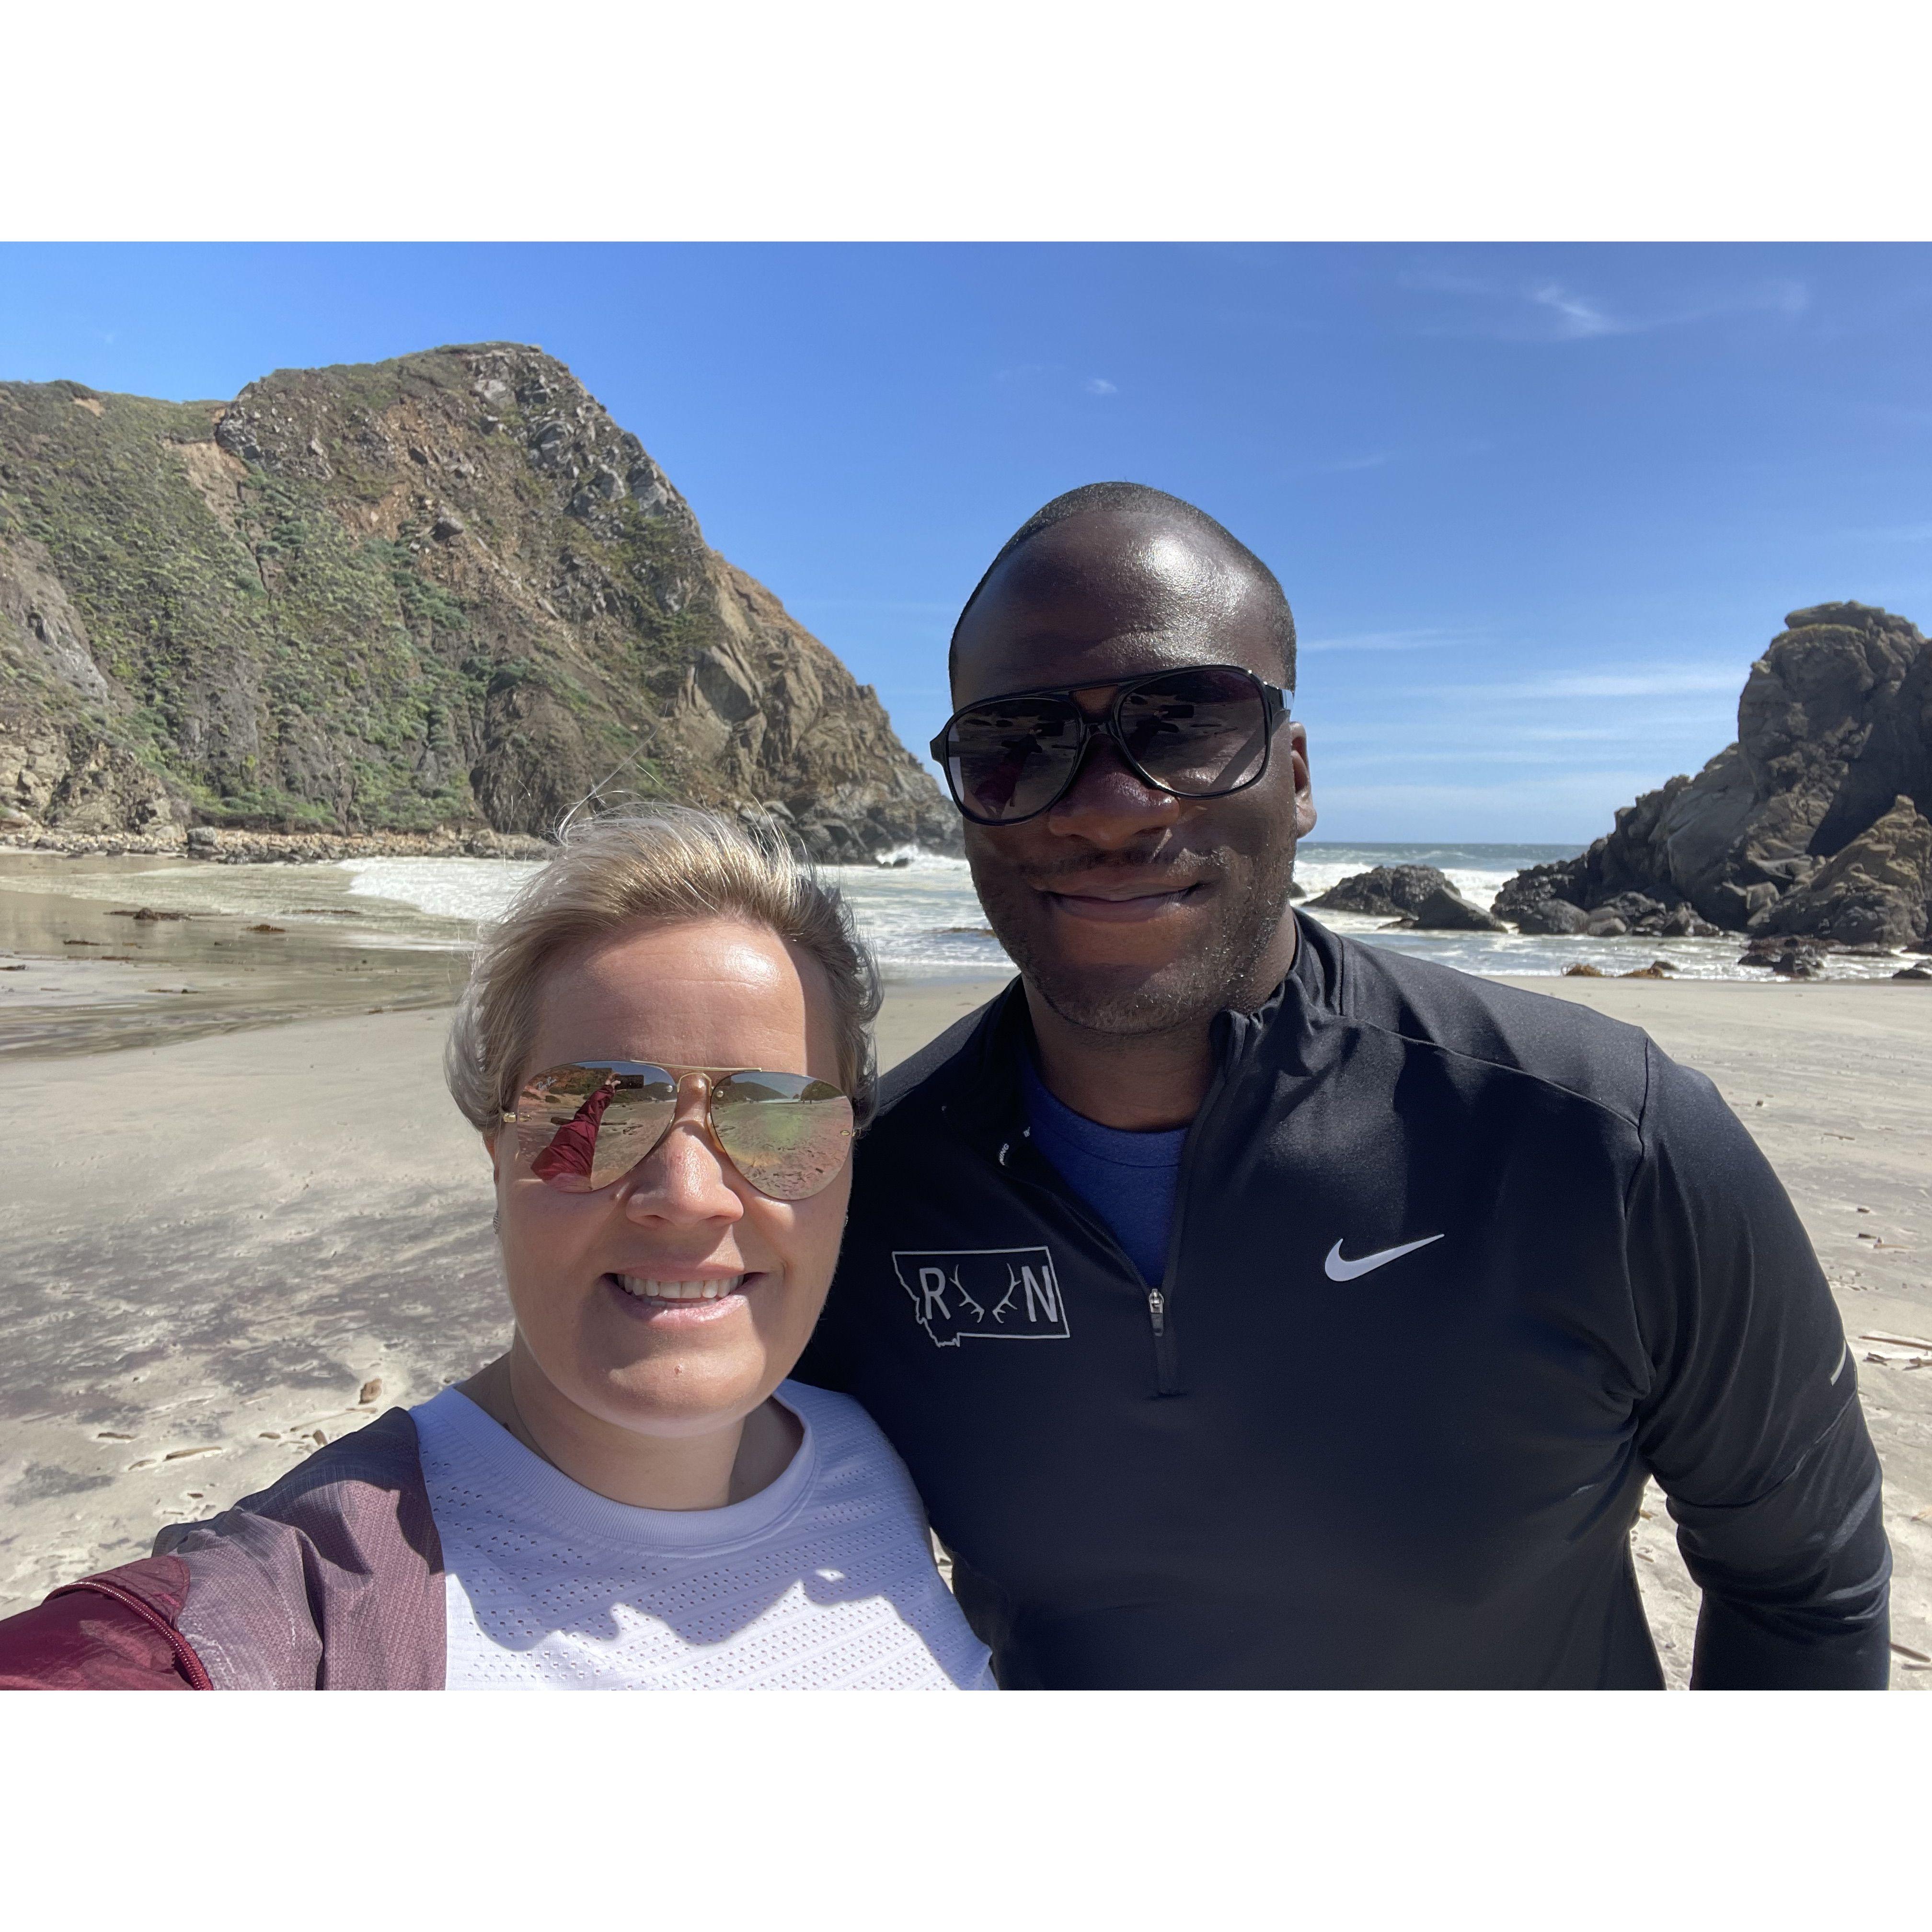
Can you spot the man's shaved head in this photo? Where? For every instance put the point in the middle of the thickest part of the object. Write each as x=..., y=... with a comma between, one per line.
x=1140, y=500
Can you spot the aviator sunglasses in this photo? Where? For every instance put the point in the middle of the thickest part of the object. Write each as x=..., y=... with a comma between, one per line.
x=1199, y=733
x=581, y=1127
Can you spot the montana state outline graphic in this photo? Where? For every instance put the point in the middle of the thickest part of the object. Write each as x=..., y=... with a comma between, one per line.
x=984, y=1294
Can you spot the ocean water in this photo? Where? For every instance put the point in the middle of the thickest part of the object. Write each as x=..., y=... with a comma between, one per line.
x=923, y=919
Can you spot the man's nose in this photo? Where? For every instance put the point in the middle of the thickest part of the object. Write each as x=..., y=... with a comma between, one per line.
x=684, y=1179
x=1107, y=805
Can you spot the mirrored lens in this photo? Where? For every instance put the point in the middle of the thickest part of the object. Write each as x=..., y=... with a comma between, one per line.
x=1197, y=731
x=1009, y=757
x=580, y=1128
x=787, y=1134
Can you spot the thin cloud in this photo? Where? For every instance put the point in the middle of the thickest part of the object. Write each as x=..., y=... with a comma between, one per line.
x=1341, y=466
x=1894, y=533
x=1553, y=311
x=1597, y=793
x=872, y=604
x=1628, y=736
x=1577, y=315
x=1385, y=640
x=1098, y=385
x=1653, y=724
x=1658, y=683
x=1639, y=684
x=1475, y=753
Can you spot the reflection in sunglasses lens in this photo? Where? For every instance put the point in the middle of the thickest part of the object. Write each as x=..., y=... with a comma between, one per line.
x=787, y=1144
x=1009, y=759
x=580, y=1128
x=1197, y=733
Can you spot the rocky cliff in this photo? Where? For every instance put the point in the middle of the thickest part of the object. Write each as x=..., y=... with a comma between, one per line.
x=1815, y=822
x=447, y=591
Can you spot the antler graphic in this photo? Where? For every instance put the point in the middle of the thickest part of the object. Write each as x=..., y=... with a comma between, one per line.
x=965, y=1295
x=1012, y=1289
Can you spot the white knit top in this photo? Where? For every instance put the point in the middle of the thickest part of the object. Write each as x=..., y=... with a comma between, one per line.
x=823, y=1581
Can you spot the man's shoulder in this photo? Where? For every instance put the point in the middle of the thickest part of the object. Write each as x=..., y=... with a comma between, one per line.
x=926, y=1077
x=1510, y=1029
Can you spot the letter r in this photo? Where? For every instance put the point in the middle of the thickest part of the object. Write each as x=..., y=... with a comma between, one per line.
x=932, y=1287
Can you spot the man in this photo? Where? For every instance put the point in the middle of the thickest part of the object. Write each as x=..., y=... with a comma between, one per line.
x=1255, y=1308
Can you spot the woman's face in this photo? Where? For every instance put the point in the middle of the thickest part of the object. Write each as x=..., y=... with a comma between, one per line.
x=716, y=993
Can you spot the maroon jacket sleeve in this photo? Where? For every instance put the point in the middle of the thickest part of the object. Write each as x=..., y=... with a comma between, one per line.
x=112, y=1632
x=331, y=1579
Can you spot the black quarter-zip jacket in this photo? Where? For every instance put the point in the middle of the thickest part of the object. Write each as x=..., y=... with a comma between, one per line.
x=1453, y=1267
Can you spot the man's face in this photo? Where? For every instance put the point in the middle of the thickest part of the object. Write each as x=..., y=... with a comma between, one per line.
x=1130, y=910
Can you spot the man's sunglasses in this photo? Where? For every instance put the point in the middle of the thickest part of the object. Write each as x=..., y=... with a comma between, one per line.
x=581, y=1127
x=1199, y=733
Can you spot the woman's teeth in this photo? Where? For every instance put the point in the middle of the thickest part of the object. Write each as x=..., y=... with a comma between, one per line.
x=680, y=1290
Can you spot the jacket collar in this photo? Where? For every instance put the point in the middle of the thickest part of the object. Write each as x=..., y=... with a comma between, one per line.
x=984, y=1100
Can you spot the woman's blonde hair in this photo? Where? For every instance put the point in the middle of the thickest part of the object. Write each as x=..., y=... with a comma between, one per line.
x=667, y=867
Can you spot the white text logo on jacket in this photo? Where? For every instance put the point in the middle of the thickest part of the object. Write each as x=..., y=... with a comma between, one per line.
x=984, y=1294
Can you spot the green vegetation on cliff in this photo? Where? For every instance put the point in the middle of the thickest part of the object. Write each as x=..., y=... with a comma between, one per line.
x=444, y=590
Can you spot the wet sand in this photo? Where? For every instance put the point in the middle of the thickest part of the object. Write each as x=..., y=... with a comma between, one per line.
x=78, y=974
x=267, y=1236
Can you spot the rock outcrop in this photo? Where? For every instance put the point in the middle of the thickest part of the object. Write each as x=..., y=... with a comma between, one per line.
x=1420, y=895
x=1533, y=902
x=1384, y=891
x=1872, y=892
x=444, y=591
x=1445, y=909
x=1833, y=752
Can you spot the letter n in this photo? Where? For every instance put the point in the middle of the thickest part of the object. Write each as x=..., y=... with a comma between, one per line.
x=1043, y=1291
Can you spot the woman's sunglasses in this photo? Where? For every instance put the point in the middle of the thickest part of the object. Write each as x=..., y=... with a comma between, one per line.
x=582, y=1126
x=1200, y=733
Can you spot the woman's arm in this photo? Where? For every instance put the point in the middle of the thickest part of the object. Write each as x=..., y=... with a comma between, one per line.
x=112, y=1632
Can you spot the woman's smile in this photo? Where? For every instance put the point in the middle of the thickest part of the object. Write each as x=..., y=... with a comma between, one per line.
x=687, y=1304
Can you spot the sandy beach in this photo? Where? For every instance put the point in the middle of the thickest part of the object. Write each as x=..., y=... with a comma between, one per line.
x=266, y=1236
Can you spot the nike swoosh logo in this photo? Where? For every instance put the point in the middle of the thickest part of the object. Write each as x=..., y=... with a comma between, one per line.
x=1336, y=1269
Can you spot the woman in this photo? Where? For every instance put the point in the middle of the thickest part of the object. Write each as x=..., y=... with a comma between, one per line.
x=664, y=1046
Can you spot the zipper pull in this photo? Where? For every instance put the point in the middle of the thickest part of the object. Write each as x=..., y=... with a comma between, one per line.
x=1157, y=1309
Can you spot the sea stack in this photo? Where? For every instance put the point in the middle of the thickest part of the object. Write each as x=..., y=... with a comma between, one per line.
x=1813, y=823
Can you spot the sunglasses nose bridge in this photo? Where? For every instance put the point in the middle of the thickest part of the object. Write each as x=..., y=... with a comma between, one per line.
x=1100, y=738
x=1107, y=797
x=696, y=1092
x=687, y=1176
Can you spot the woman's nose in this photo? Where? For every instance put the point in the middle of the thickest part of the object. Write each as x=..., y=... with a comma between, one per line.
x=684, y=1179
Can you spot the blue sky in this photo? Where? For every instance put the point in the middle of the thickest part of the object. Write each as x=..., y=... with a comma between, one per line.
x=1536, y=507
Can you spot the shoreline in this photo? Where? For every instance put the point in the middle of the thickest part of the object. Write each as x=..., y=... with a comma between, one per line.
x=129, y=969
x=225, y=845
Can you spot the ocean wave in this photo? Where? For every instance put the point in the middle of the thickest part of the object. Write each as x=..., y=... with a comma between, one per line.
x=923, y=919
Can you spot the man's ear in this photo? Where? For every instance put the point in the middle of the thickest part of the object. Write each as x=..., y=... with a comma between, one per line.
x=1304, y=791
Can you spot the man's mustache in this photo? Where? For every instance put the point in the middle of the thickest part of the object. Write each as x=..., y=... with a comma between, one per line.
x=1191, y=866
